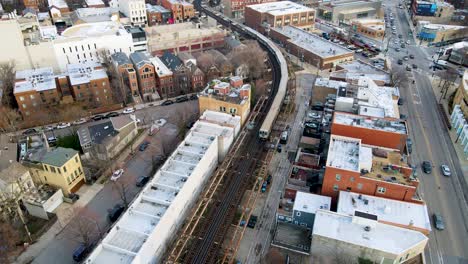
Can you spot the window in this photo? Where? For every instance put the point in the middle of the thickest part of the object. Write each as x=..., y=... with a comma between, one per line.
x=45, y=178
x=351, y=179
x=76, y=173
x=338, y=177
x=64, y=169
x=298, y=213
x=381, y=189
x=25, y=106
x=335, y=187
x=359, y=186
x=232, y=110
x=21, y=98
x=76, y=159
x=46, y=168
x=52, y=169
x=79, y=169
x=222, y=109
x=348, y=189
x=58, y=170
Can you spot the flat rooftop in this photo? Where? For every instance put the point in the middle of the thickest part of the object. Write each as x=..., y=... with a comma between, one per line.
x=388, y=210
x=325, y=82
x=160, y=68
x=223, y=91
x=394, y=126
x=442, y=27
x=359, y=66
x=185, y=31
x=80, y=73
x=350, y=229
x=307, y=159
x=156, y=8
x=343, y=153
x=94, y=29
x=41, y=79
x=280, y=8
x=312, y=43
x=370, y=94
x=310, y=203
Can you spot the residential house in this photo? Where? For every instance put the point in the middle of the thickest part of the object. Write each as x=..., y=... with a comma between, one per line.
x=128, y=75
x=164, y=78
x=181, y=73
x=158, y=15
x=15, y=183
x=181, y=10
x=145, y=75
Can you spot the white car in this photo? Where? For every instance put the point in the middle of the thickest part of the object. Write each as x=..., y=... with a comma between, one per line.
x=313, y=115
x=79, y=121
x=63, y=125
x=49, y=128
x=117, y=174
x=128, y=111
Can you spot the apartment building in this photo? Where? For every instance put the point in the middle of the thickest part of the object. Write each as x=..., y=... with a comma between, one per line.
x=301, y=209
x=229, y=95
x=181, y=73
x=236, y=8
x=135, y=10
x=158, y=15
x=90, y=84
x=352, y=71
x=279, y=14
x=164, y=78
x=145, y=75
x=128, y=75
x=181, y=10
x=438, y=33
x=366, y=169
x=369, y=27
x=35, y=89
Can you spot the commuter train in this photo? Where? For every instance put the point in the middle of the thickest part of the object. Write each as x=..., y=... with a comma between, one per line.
x=280, y=67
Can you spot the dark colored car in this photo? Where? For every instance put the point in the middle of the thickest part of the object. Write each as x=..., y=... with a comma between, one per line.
x=82, y=251
x=268, y=179
x=112, y=114
x=167, y=102
x=438, y=221
x=427, y=166
x=30, y=131
x=279, y=148
x=411, y=56
x=181, y=99
x=142, y=180
x=400, y=62
x=98, y=117
x=403, y=117
x=400, y=36
x=414, y=66
x=409, y=145
x=143, y=146
x=252, y=221
x=115, y=212
x=193, y=97
x=401, y=101
x=408, y=68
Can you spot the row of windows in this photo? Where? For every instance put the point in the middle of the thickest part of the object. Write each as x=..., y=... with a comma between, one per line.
x=73, y=176
x=82, y=49
x=231, y=110
x=381, y=190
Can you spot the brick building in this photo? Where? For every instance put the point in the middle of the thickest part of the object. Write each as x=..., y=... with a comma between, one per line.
x=371, y=28
x=34, y=89
x=145, y=75
x=158, y=15
x=367, y=169
x=128, y=75
x=164, y=78
x=279, y=14
x=90, y=84
x=181, y=73
x=236, y=8
x=181, y=10
x=197, y=78
x=371, y=130
x=310, y=47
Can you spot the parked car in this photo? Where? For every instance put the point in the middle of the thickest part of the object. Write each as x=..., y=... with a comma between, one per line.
x=117, y=174
x=279, y=148
x=408, y=42
x=427, y=166
x=167, y=102
x=403, y=117
x=414, y=66
x=30, y=131
x=112, y=114
x=400, y=36
x=401, y=101
x=268, y=179
x=181, y=99
x=142, y=180
x=193, y=97
x=63, y=125
x=52, y=140
x=79, y=121
x=48, y=128
x=408, y=68
x=398, y=49
x=409, y=145
x=438, y=221
x=445, y=170
x=143, y=146
x=128, y=111
x=400, y=62
x=411, y=56
x=115, y=212
x=82, y=251
x=405, y=58
x=264, y=186
x=402, y=45
x=97, y=117
x=252, y=221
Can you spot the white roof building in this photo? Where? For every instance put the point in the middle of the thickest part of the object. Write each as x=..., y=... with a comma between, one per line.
x=80, y=73
x=41, y=79
x=410, y=215
x=143, y=232
x=310, y=203
x=383, y=97
x=280, y=8
x=160, y=68
x=361, y=235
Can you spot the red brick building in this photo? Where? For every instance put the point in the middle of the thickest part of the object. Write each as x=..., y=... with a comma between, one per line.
x=371, y=130
x=128, y=75
x=279, y=14
x=164, y=78
x=235, y=8
x=158, y=15
x=366, y=169
x=181, y=10
x=145, y=75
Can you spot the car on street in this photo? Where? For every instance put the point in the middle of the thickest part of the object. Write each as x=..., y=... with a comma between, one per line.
x=30, y=131
x=252, y=221
x=142, y=180
x=400, y=62
x=403, y=46
x=112, y=114
x=313, y=115
x=398, y=49
x=79, y=121
x=115, y=212
x=48, y=128
x=445, y=170
x=335, y=40
x=438, y=221
x=279, y=148
x=52, y=140
x=408, y=42
x=128, y=111
x=401, y=101
x=117, y=174
x=82, y=251
x=193, y=97
x=411, y=56
x=181, y=99
x=359, y=50
x=97, y=117
x=408, y=68
x=409, y=145
x=400, y=36
x=167, y=102
x=427, y=166
x=63, y=125
x=414, y=66
x=403, y=117
x=143, y=146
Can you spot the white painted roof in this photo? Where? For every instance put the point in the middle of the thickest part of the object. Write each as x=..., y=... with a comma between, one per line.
x=95, y=29
x=371, y=94
x=41, y=79
x=80, y=73
x=388, y=210
x=382, y=237
x=281, y=8
x=374, y=123
x=160, y=68
x=310, y=203
x=94, y=2
x=58, y=3
x=442, y=27
x=330, y=83
x=312, y=43
x=343, y=153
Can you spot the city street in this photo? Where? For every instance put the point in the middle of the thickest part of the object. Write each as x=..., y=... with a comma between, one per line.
x=60, y=249
x=431, y=142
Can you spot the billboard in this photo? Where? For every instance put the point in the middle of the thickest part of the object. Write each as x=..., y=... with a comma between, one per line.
x=426, y=9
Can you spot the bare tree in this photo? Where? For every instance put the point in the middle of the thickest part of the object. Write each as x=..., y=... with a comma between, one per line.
x=122, y=188
x=205, y=61
x=261, y=88
x=9, y=237
x=9, y=119
x=253, y=56
x=7, y=81
x=120, y=90
x=84, y=227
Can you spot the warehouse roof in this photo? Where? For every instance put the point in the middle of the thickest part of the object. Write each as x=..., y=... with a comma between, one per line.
x=310, y=203
x=395, y=126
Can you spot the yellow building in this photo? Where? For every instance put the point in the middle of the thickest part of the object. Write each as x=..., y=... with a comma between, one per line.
x=59, y=167
x=228, y=95
x=371, y=28
x=461, y=96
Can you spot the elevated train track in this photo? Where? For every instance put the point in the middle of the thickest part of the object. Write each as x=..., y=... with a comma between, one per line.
x=203, y=235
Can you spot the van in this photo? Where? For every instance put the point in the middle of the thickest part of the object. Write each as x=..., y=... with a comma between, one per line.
x=284, y=137
x=441, y=62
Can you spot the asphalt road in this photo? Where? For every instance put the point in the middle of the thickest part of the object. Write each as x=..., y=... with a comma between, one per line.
x=443, y=195
x=60, y=250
